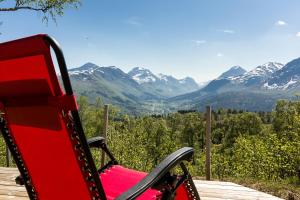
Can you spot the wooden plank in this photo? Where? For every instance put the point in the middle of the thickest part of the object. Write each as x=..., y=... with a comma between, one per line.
x=236, y=196
x=5, y=197
x=208, y=190
x=226, y=190
x=8, y=187
x=7, y=169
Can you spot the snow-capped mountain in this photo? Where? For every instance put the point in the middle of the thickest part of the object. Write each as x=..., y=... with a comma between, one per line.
x=233, y=72
x=145, y=76
x=224, y=79
x=127, y=90
x=257, y=89
x=86, y=69
x=288, y=77
x=259, y=74
x=161, y=84
x=264, y=70
x=142, y=75
x=253, y=78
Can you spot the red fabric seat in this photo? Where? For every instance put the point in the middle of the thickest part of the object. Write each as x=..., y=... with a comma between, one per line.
x=118, y=179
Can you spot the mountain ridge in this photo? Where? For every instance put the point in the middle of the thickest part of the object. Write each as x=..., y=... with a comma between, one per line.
x=127, y=90
x=140, y=90
x=284, y=81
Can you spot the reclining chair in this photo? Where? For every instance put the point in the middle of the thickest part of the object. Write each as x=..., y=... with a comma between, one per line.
x=41, y=126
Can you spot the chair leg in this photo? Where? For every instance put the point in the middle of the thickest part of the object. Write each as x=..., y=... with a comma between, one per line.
x=19, y=180
x=189, y=183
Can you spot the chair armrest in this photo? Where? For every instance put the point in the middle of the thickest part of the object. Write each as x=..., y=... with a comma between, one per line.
x=99, y=142
x=152, y=178
x=96, y=142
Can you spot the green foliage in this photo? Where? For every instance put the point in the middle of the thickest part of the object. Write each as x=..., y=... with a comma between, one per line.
x=286, y=121
x=2, y=152
x=50, y=8
x=244, y=146
x=260, y=146
x=230, y=126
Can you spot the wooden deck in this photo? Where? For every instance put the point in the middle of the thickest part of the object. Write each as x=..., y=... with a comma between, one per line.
x=208, y=190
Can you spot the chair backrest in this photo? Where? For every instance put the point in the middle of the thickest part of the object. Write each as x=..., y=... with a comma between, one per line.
x=41, y=124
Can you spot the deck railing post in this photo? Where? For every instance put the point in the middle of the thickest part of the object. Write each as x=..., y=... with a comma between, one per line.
x=105, y=128
x=208, y=143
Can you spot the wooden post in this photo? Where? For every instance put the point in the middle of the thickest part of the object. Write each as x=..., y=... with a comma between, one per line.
x=7, y=156
x=208, y=143
x=105, y=128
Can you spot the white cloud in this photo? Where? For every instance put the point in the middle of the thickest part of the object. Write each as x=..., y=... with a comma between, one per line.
x=134, y=21
x=298, y=34
x=281, y=23
x=199, y=42
x=220, y=54
x=229, y=31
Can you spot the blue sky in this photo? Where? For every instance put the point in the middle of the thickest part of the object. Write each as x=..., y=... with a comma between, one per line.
x=197, y=38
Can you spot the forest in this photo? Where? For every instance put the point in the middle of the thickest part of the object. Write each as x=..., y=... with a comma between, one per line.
x=257, y=149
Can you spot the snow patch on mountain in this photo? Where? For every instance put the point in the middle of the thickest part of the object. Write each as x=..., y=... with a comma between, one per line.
x=162, y=77
x=85, y=72
x=266, y=69
x=286, y=86
x=182, y=81
x=86, y=69
x=146, y=79
x=142, y=75
x=262, y=71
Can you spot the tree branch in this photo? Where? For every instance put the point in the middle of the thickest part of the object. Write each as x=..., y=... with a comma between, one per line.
x=50, y=8
x=24, y=7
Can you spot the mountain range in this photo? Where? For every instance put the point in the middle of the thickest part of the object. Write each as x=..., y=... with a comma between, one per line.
x=141, y=91
x=256, y=90
x=135, y=92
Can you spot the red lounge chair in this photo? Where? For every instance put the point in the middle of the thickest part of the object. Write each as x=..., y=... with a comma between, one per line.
x=41, y=126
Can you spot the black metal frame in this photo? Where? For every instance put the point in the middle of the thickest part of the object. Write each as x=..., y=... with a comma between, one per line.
x=99, y=142
x=159, y=175
x=17, y=157
x=75, y=115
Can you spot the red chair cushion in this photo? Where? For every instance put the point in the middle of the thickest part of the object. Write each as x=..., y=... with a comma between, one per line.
x=118, y=179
